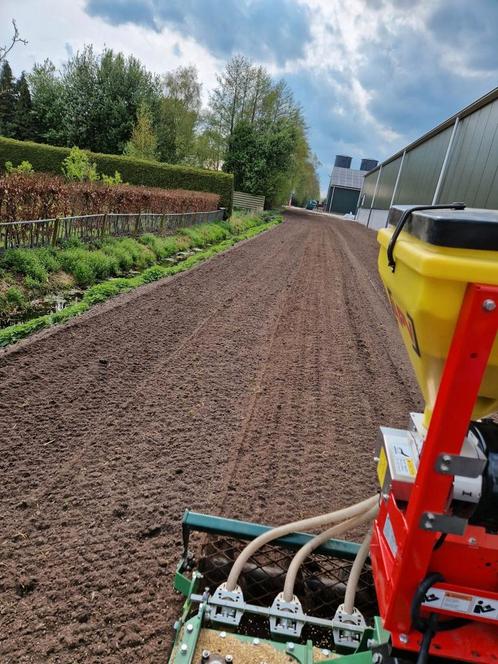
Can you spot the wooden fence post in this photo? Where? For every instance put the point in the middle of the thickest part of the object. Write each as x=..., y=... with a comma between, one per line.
x=55, y=231
x=104, y=224
x=138, y=223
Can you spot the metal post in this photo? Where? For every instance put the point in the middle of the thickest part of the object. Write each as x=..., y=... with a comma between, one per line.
x=359, y=200
x=331, y=199
x=374, y=195
x=445, y=163
x=395, y=190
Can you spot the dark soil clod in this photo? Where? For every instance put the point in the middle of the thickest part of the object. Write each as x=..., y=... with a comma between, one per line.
x=25, y=586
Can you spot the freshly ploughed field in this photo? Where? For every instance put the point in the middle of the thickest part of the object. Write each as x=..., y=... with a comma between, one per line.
x=250, y=387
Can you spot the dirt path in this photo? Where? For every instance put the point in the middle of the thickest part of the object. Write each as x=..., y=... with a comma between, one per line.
x=250, y=387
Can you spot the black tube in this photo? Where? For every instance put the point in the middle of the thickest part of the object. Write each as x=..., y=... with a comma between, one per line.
x=423, y=655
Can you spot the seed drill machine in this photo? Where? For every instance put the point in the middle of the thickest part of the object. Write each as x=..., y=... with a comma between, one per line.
x=423, y=585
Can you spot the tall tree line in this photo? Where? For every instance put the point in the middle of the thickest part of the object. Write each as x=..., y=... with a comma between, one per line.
x=106, y=102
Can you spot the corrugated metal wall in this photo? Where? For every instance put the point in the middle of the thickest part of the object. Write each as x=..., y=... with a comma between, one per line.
x=470, y=174
x=368, y=189
x=421, y=170
x=245, y=201
x=387, y=181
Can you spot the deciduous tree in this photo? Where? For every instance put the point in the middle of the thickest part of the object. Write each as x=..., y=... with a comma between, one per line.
x=179, y=115
x=143, y=141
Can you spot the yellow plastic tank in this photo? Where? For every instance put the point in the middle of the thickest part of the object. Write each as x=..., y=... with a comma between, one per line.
x=436, y=255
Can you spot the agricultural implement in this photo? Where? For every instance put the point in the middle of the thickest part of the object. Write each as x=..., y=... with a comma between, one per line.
x=423, y=585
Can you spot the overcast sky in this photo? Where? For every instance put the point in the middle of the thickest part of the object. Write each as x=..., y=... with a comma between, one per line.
x=371, y=75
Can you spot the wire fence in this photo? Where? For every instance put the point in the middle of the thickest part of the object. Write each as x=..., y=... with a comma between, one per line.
x=46, y=232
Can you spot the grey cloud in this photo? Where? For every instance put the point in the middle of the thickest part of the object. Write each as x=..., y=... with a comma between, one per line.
x=469, y=27
x=411, y=89
x=267, y=31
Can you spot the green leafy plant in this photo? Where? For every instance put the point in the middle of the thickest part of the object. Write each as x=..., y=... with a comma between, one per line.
x=153, y=273
x=163, y=247
x=23, y=167
x=77, y=166
x=14, y=296
x=111, y=180
x=86, y=266
x=48, y=258
x=204, y=234
x=32, y=284
x=25, y=262
x=129, y=253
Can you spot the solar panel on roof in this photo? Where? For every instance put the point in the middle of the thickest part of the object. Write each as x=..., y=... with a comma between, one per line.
x=346, y=177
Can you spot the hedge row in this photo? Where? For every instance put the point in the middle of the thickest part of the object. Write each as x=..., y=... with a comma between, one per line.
x=48, y=158
x=25, y=197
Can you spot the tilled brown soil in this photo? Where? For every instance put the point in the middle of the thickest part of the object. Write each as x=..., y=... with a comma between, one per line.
x=251, y=387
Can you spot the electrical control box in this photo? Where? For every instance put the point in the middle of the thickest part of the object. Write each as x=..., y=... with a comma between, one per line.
x=398, y=458
x=397, y=462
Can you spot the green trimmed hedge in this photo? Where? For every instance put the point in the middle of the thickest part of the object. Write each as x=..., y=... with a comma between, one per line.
x=48, y=158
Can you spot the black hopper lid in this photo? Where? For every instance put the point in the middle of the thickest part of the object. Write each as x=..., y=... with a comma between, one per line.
x=471, y=228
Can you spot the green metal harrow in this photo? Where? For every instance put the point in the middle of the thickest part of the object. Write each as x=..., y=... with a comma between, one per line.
x=214, y=629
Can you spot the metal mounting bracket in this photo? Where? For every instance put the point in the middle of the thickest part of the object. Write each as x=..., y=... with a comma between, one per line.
x=287, y=618
x=343, y=622
x=229, y=607
x=454, y=464
x=443, y=523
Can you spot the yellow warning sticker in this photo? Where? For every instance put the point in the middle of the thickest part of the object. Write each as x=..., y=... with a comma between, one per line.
x=382, y=467
x=411, y=467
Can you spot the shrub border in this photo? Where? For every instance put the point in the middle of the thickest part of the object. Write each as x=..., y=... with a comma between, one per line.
x=112, y=287
x=49, y=158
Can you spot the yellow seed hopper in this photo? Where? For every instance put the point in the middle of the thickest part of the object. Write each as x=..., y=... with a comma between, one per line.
x=426, y=268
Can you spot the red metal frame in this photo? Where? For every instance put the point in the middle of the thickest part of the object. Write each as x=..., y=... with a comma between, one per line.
x=402, y=552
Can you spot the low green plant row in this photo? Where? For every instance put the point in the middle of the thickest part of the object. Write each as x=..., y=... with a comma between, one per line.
x=35, y=272
x=103, y=291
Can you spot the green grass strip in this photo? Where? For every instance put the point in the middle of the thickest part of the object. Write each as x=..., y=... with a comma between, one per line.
x=112, y=287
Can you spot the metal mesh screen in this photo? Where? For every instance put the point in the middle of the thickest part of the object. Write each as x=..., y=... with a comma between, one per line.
x=320, y=585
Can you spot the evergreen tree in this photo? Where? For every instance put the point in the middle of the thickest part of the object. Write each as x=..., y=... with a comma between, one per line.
x=47, y=96
x=24, y=110
x=7, y=102
x=143, y=141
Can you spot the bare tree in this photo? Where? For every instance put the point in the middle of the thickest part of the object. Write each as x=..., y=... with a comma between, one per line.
x=16, y=39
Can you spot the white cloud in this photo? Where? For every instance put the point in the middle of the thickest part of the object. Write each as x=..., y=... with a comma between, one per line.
x=52, y=27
